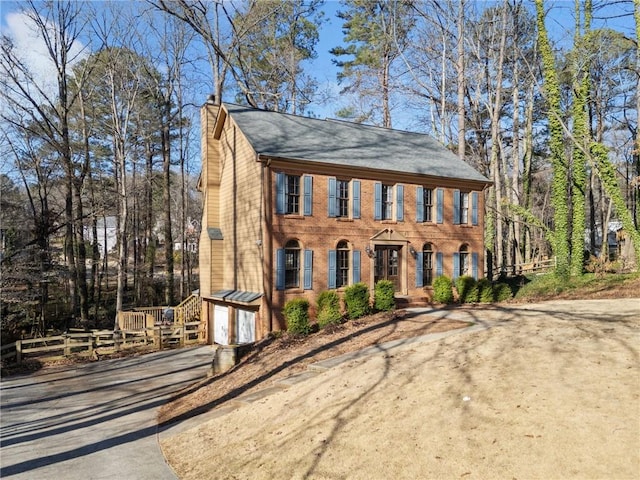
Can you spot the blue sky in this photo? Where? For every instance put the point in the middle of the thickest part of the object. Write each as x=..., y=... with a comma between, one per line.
x=560, y=23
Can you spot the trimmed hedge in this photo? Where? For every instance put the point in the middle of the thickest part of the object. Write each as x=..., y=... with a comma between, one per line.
x=467, y=289
x=485, y=291
x=442, y=290
x=383, y=296
x=296, y=314
x=356, y=299
x=328, y=308
x=502, y=292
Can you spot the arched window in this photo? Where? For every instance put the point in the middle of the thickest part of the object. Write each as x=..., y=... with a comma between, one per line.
x=292, y=264
x=342, y=270
x=465, y=267
x=427, y=264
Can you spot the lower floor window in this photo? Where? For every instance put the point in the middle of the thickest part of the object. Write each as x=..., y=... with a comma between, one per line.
x=342, y=272
x=427, y=264
x=464, y=261
x=292, y=264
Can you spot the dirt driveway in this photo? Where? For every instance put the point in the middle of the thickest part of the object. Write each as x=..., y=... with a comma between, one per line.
x=548, y=390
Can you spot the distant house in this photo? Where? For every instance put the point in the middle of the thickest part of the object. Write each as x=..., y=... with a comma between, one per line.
x=294, y=206
x=190, y=237
x=107, y=229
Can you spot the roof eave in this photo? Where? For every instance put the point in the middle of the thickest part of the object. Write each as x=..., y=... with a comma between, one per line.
x=370, y=173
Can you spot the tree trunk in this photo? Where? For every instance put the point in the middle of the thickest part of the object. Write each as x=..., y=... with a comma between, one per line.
x=166, y=197
x=496, y=172
x=514, y=231
x=150, y=241
x=461, y=82
x=81, y=257
x=386, y=110
x=526, y=200
x=123, y=212
x=79, y=222
x=636, y=154
x=69, y=254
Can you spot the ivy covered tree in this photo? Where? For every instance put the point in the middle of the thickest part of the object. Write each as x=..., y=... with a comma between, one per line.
x=559, y=190
x=573, y=150
x=580, y=72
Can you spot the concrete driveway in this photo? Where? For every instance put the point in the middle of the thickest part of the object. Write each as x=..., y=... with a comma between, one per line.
x=94, y=421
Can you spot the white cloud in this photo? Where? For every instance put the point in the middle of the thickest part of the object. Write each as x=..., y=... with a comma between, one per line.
x=32, y=50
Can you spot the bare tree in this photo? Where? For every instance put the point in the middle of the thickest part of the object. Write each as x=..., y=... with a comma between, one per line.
x=45, y=112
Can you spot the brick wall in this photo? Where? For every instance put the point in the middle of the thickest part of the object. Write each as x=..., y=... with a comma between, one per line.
x=321, y=233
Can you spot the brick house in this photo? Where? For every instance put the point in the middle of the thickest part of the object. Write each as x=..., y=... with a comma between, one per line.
x=294, y=206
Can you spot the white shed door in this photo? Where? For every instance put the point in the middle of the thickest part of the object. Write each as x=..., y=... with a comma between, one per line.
x=221, y=325
x=246, y=325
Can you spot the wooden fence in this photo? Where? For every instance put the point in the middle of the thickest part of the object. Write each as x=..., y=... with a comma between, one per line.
x=160, y=336
x=537, y=266
x=533, y=267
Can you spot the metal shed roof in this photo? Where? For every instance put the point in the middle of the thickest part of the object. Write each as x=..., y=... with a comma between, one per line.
x=235, y=296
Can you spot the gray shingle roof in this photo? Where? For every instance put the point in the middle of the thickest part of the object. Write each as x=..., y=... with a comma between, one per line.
x=288, y=136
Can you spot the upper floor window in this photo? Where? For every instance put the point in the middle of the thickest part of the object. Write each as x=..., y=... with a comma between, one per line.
x=427, y=200
x=344, y=198
x=429, y=204
x=388, y=202
x=294, y=194
x=465, y=208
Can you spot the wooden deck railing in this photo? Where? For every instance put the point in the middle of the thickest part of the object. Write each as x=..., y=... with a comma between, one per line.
x=156, y=313
x=187, y=311
x=136, y=320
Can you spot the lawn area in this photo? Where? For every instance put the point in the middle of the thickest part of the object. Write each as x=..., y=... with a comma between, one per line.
x=590, y=285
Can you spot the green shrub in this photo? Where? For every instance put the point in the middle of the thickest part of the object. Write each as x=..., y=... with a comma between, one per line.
x=467, y=289
x=356, y=299
x=296, y=314
x=485, y=291
x=502, y=292
x=442, y=290
x=328, y=308
x=383, y=296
